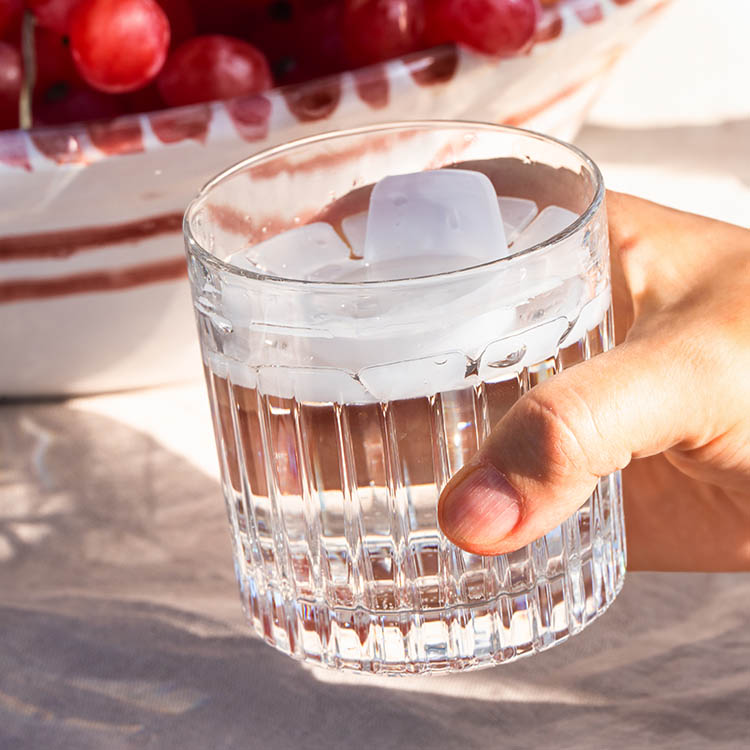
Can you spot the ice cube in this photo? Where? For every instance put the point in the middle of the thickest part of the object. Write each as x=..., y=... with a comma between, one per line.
x=216, y=362
x=347, y=269
x=543, y=341
x=237, y=302
x=415, y=378
x=447, y=213
x=312, y=384
x=511, y=354
x=516, y=214
x=589, y=318
x=395, y=268
x=240, y=374
x=471, y=334
x=550, y=296
x=296, y=253
x=354, y=228
x=548, y=223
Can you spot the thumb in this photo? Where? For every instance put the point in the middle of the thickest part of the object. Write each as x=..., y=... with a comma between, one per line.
x=543, y=459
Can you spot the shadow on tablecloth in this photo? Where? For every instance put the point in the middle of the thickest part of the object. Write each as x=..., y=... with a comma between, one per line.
x=120, y=628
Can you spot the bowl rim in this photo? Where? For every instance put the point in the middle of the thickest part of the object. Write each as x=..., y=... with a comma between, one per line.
x=193, y=247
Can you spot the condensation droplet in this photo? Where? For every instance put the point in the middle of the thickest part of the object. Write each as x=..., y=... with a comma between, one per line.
x=512, y=359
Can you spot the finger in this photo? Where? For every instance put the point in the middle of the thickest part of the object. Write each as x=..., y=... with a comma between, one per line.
x=662, y=253
x=543, y=459
x=622, y=299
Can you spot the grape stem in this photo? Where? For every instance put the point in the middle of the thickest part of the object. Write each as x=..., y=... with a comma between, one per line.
x=28, y=55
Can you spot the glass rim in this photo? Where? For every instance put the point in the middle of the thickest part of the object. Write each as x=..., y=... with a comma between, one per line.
x=206, y=256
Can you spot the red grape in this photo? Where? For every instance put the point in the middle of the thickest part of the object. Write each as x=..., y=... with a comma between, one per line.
x=119, y=45
x=181, y=20
x=271, y=29
x=11, y=77
x=300, y=38
x=212, y=67
x=53, y=14
x=318, y=40
x=147, y=99
x=495, y=27
x=378, y=30
x=228, y=16
x=62, y=104
x=10, y=16
x=54, y=63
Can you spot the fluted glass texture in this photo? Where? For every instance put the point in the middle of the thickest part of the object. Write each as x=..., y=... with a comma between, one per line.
x=342, y=409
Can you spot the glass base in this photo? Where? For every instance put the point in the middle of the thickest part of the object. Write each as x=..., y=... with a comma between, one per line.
x=465, y=636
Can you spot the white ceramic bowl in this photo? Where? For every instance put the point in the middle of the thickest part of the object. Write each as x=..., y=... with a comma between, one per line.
x=93, y=288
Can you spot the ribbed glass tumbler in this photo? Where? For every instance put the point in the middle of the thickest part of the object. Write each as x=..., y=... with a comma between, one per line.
x=341, y=408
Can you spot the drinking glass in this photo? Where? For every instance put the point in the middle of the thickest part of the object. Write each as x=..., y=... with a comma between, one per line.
x=341, y=409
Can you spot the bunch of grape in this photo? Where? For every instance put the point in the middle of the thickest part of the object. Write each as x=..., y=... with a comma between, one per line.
x=99, y=58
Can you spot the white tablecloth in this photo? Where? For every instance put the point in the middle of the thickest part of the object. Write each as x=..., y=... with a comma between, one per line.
x=120, y=625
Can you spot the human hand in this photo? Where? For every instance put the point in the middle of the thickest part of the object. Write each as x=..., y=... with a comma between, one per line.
x=670, y=404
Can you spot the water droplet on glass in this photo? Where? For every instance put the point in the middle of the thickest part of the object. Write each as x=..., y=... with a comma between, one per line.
x=512, y=359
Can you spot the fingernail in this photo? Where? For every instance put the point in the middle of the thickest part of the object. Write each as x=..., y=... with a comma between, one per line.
x=481, y=509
